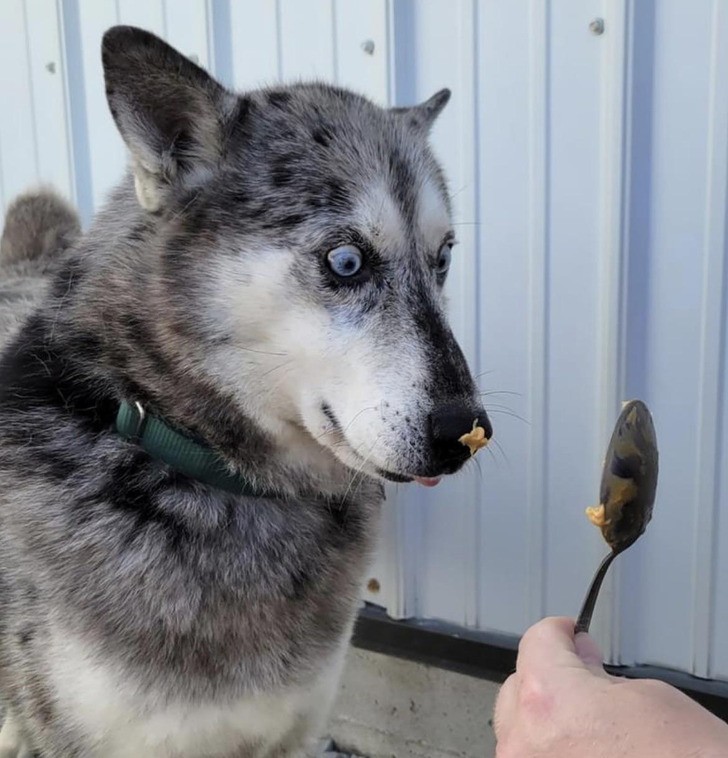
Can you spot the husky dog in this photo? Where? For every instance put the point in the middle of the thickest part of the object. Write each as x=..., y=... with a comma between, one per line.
x=265, y=286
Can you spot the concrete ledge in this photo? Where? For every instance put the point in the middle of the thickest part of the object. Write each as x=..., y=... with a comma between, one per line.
x=393, y=708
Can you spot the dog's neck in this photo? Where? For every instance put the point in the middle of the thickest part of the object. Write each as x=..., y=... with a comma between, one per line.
x=281, y=457
x=289, y=461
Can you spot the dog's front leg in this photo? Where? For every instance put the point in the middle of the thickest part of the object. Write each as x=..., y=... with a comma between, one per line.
x=11, y=741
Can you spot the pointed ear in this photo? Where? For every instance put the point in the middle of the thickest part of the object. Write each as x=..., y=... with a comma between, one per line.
x=168, y=110
x=422, y=117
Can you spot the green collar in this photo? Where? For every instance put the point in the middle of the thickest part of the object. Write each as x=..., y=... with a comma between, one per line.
x=179, y=450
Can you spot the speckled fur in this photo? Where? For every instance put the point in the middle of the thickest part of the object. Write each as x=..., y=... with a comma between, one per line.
x=40, y=225
x=142, y=613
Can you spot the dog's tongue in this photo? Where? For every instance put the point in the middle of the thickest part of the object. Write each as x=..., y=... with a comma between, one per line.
x=427, y=481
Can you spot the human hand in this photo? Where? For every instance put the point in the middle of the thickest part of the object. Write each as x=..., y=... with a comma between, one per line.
x=561, y=703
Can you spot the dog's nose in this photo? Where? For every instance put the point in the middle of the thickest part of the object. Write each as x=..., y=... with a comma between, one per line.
x=448, y=424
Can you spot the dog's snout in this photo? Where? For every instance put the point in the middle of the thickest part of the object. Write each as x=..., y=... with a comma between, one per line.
x=448, y=424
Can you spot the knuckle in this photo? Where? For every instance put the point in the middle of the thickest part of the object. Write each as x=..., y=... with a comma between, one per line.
x=503, y=710
x=652, y=689
x=503, y=750
x=506, y=749
x=532, y=695
x=531, y=634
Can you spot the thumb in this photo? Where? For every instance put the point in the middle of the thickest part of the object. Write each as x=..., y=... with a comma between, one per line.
x=590, y=655
x=550, y=644
x=588, y=650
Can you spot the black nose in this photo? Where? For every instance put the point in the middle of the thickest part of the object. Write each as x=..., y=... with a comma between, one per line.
x=448, y=424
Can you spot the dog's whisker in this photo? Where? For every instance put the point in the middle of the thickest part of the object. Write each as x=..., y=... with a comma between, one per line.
x=356, y=416
x=486, y=393
x=276, y=368
x=501, y=450
x=506, y=412
x=256, y=351
x=458, y=192
x=484, y=373
x=494, y=457
x=357, y=473
x=360, y=470
x=480, y=468
x=362, y=475
x=503, y=406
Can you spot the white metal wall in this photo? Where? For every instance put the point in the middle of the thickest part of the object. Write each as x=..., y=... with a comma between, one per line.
x=589, y=174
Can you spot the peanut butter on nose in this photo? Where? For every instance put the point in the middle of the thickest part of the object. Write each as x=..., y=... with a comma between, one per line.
x=474, y=439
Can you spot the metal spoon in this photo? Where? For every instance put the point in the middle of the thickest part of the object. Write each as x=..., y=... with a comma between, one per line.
x=627, y=493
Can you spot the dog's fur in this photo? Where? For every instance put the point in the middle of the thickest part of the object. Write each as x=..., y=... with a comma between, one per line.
x=146, y=614
x=38, y=228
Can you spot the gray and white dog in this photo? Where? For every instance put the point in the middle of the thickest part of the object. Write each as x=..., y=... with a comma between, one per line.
x=267, y=283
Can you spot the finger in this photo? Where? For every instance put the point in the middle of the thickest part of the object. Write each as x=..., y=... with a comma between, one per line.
x=588, y=650
x=550, y=644
x=505, y=710
x=548, y=638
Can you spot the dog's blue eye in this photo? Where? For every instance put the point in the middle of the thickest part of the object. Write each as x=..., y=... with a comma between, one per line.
x=443, y=259
x=345, y=260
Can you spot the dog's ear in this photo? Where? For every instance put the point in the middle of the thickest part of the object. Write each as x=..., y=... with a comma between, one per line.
x=169, y=111
x=421, y=117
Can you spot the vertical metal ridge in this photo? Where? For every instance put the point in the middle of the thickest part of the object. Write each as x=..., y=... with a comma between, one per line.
x=213, y=28
x=615, y=152
x=2, y=183
x=712, y=330
x=279, y=39
x=70, y=154
x=468, y=25
x=165, y=25
x=333, y=30
x=76, y=108
x=538, y=244
x=31, y=90
x=211, y=40
x=402, y=537
x=389, y=38
x=403, y=548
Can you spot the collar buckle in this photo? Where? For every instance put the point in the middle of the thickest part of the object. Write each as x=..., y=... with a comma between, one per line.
x=137, y=432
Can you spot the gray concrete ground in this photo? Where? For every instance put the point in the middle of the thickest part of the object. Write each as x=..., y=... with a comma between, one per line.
x=390, y=708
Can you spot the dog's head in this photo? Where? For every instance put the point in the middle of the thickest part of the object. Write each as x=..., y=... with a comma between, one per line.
x=304, y=238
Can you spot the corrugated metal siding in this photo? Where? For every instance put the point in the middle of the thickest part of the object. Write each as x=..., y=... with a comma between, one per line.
x=33, y=124
x=589, y=175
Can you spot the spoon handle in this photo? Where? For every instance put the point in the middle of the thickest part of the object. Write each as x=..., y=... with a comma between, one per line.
x=587, y=610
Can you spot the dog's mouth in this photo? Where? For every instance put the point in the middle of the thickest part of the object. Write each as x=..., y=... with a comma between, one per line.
x=390, y=476
x=425, y=481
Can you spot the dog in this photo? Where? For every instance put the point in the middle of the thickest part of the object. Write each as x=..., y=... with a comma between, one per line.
x=201, y=398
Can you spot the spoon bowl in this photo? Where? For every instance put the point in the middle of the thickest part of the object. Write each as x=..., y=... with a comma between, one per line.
x=626, y=494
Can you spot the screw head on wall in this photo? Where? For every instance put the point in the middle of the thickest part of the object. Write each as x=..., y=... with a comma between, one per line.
x=596, y=26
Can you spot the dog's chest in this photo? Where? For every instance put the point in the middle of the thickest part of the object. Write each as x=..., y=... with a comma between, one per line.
x=124, y=720
x=210, y=639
